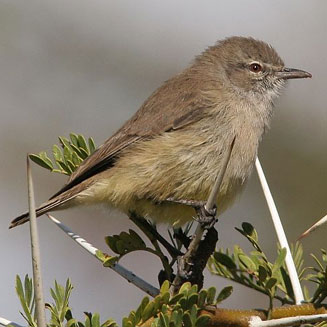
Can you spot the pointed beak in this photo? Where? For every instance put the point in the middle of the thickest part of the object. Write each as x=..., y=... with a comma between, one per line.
x=290, y=73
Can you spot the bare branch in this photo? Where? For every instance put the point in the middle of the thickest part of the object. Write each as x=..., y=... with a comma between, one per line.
x=318, y=224
x=5, y=322
x=289, y=321
x=36, y=258
x=127, y=274
x=215, y=190
x=298, y=294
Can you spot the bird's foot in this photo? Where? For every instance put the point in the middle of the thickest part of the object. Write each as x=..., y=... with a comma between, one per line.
x=205, y=217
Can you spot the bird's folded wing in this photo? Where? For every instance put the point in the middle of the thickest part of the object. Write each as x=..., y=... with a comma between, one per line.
x=166, y=110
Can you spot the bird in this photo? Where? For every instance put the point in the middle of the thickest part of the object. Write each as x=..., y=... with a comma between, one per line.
x=174, y=145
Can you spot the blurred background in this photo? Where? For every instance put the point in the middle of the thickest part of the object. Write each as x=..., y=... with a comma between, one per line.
x=86, y=66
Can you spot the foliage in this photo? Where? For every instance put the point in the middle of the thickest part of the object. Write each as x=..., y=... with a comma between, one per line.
x=182, y=309
x=179, y=310
x=318, y=276
x=61, y=314
x=68, y=156
x=255, y=271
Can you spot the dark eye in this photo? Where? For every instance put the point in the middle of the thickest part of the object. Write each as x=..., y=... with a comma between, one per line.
x=255, y=67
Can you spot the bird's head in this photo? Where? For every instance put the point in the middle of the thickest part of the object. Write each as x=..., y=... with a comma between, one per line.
x=252, y=66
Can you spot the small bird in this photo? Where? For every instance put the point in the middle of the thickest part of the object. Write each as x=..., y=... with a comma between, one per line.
x=174, y=145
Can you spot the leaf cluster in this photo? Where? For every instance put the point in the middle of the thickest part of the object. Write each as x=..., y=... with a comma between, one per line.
x=254, y=270
x=182, y=309
x=60, y=311
x=318, y=276
x=68, y=156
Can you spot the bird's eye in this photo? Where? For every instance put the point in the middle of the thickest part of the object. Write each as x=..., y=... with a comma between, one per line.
x=255, y=67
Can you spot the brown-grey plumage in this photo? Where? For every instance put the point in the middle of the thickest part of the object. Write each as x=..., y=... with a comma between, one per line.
x=173, y=145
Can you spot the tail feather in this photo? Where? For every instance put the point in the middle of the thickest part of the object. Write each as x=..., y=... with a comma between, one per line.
x=44, y=208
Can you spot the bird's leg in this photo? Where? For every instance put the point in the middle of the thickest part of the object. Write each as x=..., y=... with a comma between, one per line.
x=205, y=217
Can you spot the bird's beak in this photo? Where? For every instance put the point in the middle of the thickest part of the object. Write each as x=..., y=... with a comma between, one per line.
x=288, y=73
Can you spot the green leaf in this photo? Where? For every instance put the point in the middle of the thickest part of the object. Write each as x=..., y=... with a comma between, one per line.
x=40, y=161
x=247, y=262
x=141, y=307
x=287, y=282
x=193, y=314
x=164, y=287
x=82, y=143
x=250, y=231
x=202, y=298
x=224, y=294
x=193, y=299
x=127, y=323
x=71, y=323
x=176, y=298
x=111, y=242
x=225, y=260
x=211, y=295
x=165, y=298
x=148, y=311
x=78, y=151
x=74, y=138
x=65, y=168
x=202, y=321
x=67, y=153
x=76, y=159
x=271, y=283
x=92, y=146
x=57, y=154
x=279, y=261
x=137, y=241
x=187, y=322
x=185, y=287
x=263, y=274
x=95, y=320
x=64, y=141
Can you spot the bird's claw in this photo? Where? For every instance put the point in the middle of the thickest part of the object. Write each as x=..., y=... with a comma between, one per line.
x=206, y=217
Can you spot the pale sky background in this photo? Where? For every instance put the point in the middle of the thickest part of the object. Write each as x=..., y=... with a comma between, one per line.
x=86, y=66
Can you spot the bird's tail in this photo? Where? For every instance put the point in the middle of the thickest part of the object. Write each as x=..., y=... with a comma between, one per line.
x=44, y=208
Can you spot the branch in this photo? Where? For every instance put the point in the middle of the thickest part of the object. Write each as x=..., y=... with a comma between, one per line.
x=289, y=321
x=36, y=258
x=215, y=190
x=128, y=275
x=318, y=224
x=298, y=294
x=292, y=315
x=153, y=234
x=5, y=322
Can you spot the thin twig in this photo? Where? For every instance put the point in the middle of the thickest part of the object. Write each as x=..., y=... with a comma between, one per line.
x=214, y=192
x=141, y=223
x=128, y=275
x=318, y=224
x=152, y=233
x=5, y=322
x=36, y=258
x=289, y=321
x=298, y=294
